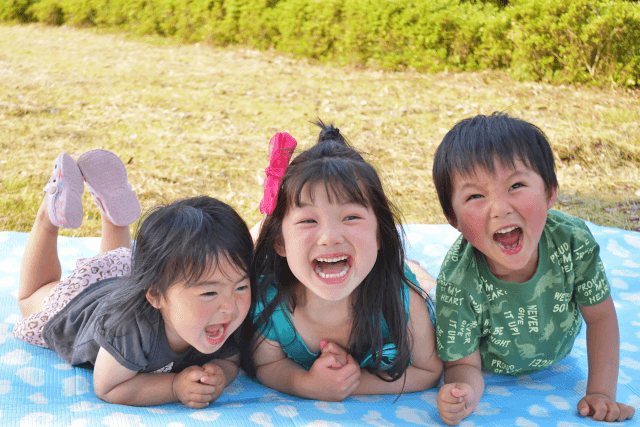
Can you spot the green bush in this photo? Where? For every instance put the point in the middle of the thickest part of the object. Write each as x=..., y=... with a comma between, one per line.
x=576, y=41
x=16, y=11
x=557, y=41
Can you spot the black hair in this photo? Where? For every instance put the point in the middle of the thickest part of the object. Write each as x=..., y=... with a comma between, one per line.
x=478, y=141
x=347, y=178
x=180, y=241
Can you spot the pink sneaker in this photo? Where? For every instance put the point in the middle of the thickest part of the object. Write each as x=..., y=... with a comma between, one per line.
x=64, y=193
x=106, y=178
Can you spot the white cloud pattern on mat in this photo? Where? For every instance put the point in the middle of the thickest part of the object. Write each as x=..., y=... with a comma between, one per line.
x=558, y=402
x=375, y=418
x=261, y=419
x=614, y=247
x=74, y=386
x=205, y=415
x=288, y=411
x=331, y=407
x=413, y=415
x=32, y=376
x=16, y=357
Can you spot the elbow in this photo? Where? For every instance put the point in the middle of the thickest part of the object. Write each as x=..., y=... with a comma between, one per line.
x=109, y=396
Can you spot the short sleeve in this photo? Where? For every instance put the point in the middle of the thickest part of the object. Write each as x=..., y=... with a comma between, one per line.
x=591, y=285
x=458, y=327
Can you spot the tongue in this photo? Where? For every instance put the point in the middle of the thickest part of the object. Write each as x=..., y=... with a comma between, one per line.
x=507, y=239
x=216, y=331
x=331, y=267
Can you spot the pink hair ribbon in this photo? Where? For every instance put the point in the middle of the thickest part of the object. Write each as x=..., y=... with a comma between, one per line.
x=282, y=145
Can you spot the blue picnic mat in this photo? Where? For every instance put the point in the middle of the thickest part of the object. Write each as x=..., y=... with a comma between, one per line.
x=37, y=388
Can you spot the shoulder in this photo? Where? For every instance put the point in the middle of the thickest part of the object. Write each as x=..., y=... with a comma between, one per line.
x=564, y=229
x=460, y=266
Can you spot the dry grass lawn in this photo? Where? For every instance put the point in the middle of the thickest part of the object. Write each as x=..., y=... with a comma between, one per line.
x=196, y=119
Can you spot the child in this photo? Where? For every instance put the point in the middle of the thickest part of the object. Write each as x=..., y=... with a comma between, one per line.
x=159, y=322
x=514, y=287
x=337, y=312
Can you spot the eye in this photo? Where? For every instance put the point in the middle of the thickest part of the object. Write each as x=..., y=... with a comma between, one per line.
x=351, y=217
x=307, y=221
x=517, y=185
x=474, y=196
x=242, y=288
x=210, y=294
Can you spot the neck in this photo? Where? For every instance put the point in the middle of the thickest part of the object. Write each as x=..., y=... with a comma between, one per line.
x=323, y=311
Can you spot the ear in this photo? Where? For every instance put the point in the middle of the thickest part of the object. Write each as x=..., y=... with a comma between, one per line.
x=154, y=299
x=278, y=246
x=453, y=222
x=553, y=197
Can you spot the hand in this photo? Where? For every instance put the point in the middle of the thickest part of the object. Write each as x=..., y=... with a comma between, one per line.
x=215, y=377
x=334, y=375
x=600, y=407
x=340, y=353
x=196, y=386
x=454, y=402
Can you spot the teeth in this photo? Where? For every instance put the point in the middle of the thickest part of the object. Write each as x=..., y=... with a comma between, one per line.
x=215, y=332
x=344, y=271
x=506, y=230
x=508, y=248
x=341, y=258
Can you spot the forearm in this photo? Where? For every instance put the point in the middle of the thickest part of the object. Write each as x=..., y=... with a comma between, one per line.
x=470, y=375
x=285, y=376
x=414, y=379
x=230, y=369
x=143, y=390
x=603, y=343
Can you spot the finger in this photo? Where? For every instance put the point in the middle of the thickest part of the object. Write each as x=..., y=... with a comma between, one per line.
x=583, y=408
x=454, y=408
x=201, y=398
x=196, y=405
x=195, y=375
x=626, y=412
x=212, y=379
x=211, y=368
x=332, y=362
x=451, y=398
x=599, y=411
x=460, y=393
x=613, y=412
x=201, y=389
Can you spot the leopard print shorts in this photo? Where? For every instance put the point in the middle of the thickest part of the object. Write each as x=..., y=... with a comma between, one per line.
x=110, y=264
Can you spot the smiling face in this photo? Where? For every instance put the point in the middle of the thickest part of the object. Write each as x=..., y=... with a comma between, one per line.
x=503, y=214
x=330, y=246
x=205, y=314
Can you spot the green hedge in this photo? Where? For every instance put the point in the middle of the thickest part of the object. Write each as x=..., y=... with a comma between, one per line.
x=556, y=41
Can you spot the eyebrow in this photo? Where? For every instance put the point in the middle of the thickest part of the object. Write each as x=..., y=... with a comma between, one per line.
x=217, y=283
x=468, y=184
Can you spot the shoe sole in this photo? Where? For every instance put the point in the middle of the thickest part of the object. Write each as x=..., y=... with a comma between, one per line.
x=106, y=177
x=69, y=186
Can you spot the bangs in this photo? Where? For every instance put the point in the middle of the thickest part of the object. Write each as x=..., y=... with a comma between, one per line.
x=341, y=181
x=189, y=270
x=505, y=147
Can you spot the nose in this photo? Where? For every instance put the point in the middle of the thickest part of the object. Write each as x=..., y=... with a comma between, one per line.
x=227, y=303
x=500, y=207
x=330, y=235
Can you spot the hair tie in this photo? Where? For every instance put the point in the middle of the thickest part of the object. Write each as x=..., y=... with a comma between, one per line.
x=282, y=146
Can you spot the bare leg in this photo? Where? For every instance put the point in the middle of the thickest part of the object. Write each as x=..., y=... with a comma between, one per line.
x=40, y=269
x=114, y=236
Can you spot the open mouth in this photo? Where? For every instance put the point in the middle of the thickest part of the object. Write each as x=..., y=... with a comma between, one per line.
x=216, y=334
x=508, y=238
x=332, y=268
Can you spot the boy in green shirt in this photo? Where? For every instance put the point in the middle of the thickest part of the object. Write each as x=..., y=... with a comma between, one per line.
x=514, y=287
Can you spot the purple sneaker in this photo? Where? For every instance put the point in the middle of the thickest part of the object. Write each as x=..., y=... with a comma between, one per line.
x=64, y=193
x=106, y=177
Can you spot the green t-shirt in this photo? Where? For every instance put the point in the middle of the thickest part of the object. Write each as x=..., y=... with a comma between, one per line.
x=519, y=327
